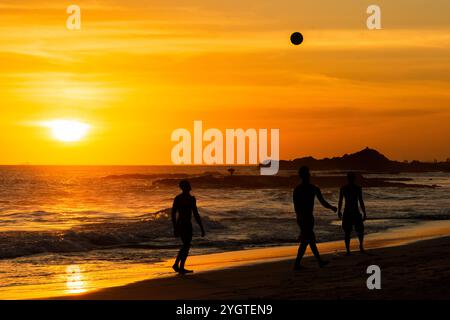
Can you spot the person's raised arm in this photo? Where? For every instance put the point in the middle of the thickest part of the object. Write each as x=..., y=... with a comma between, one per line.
x=197, y=217
x=361, y=203
x=323, y=201
x=341, y=197
x=174, y=217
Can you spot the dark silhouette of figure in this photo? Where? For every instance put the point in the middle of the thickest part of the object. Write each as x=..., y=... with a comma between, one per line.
x=304, y=195
x=186, y=205
x=352, y=218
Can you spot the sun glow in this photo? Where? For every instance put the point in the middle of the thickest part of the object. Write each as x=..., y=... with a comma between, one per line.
x=68, y=130
x=75, y=282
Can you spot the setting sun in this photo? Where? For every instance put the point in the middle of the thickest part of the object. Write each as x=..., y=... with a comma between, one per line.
x=67, y=130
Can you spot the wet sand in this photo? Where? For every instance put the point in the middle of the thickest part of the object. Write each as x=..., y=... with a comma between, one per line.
x=414, y=262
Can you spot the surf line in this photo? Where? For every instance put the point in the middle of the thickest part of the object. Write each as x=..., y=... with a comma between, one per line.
x=217, y=153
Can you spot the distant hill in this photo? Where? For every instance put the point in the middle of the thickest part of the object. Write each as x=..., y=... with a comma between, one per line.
x=364, y=160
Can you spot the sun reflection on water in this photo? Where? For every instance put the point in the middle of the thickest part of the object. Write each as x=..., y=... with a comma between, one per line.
x=75, y=281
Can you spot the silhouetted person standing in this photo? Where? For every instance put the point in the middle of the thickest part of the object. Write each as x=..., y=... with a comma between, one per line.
x=185, y=204
x=304, y=195
x=352, y=218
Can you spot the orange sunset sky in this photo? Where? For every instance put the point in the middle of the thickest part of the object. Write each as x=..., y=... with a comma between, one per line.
x=140, y=69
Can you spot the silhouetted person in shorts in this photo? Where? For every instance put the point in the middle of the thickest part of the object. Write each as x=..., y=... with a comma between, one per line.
x=304, y=195
x=185, y=204
x=352, y=218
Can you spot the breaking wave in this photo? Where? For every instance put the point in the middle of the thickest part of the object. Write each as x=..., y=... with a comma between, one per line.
x=147, y=228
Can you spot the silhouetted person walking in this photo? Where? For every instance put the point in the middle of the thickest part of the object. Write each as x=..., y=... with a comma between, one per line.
x=304, y=195
x=185, y=204
x=352, y=218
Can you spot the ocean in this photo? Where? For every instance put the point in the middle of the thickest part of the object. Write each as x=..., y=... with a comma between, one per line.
x=70, y=229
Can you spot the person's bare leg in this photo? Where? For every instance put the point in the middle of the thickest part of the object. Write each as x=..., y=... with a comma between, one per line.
x=184, y=256
x=315, y=251
x=347, y=243
x=186, y=237
x=176, y=266
x=301, y=251
x=361, y=242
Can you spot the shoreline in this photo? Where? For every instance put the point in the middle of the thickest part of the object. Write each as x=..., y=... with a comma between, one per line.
x=161, y=283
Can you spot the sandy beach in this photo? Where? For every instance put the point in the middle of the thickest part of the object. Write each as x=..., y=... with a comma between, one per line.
x=414, y=264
